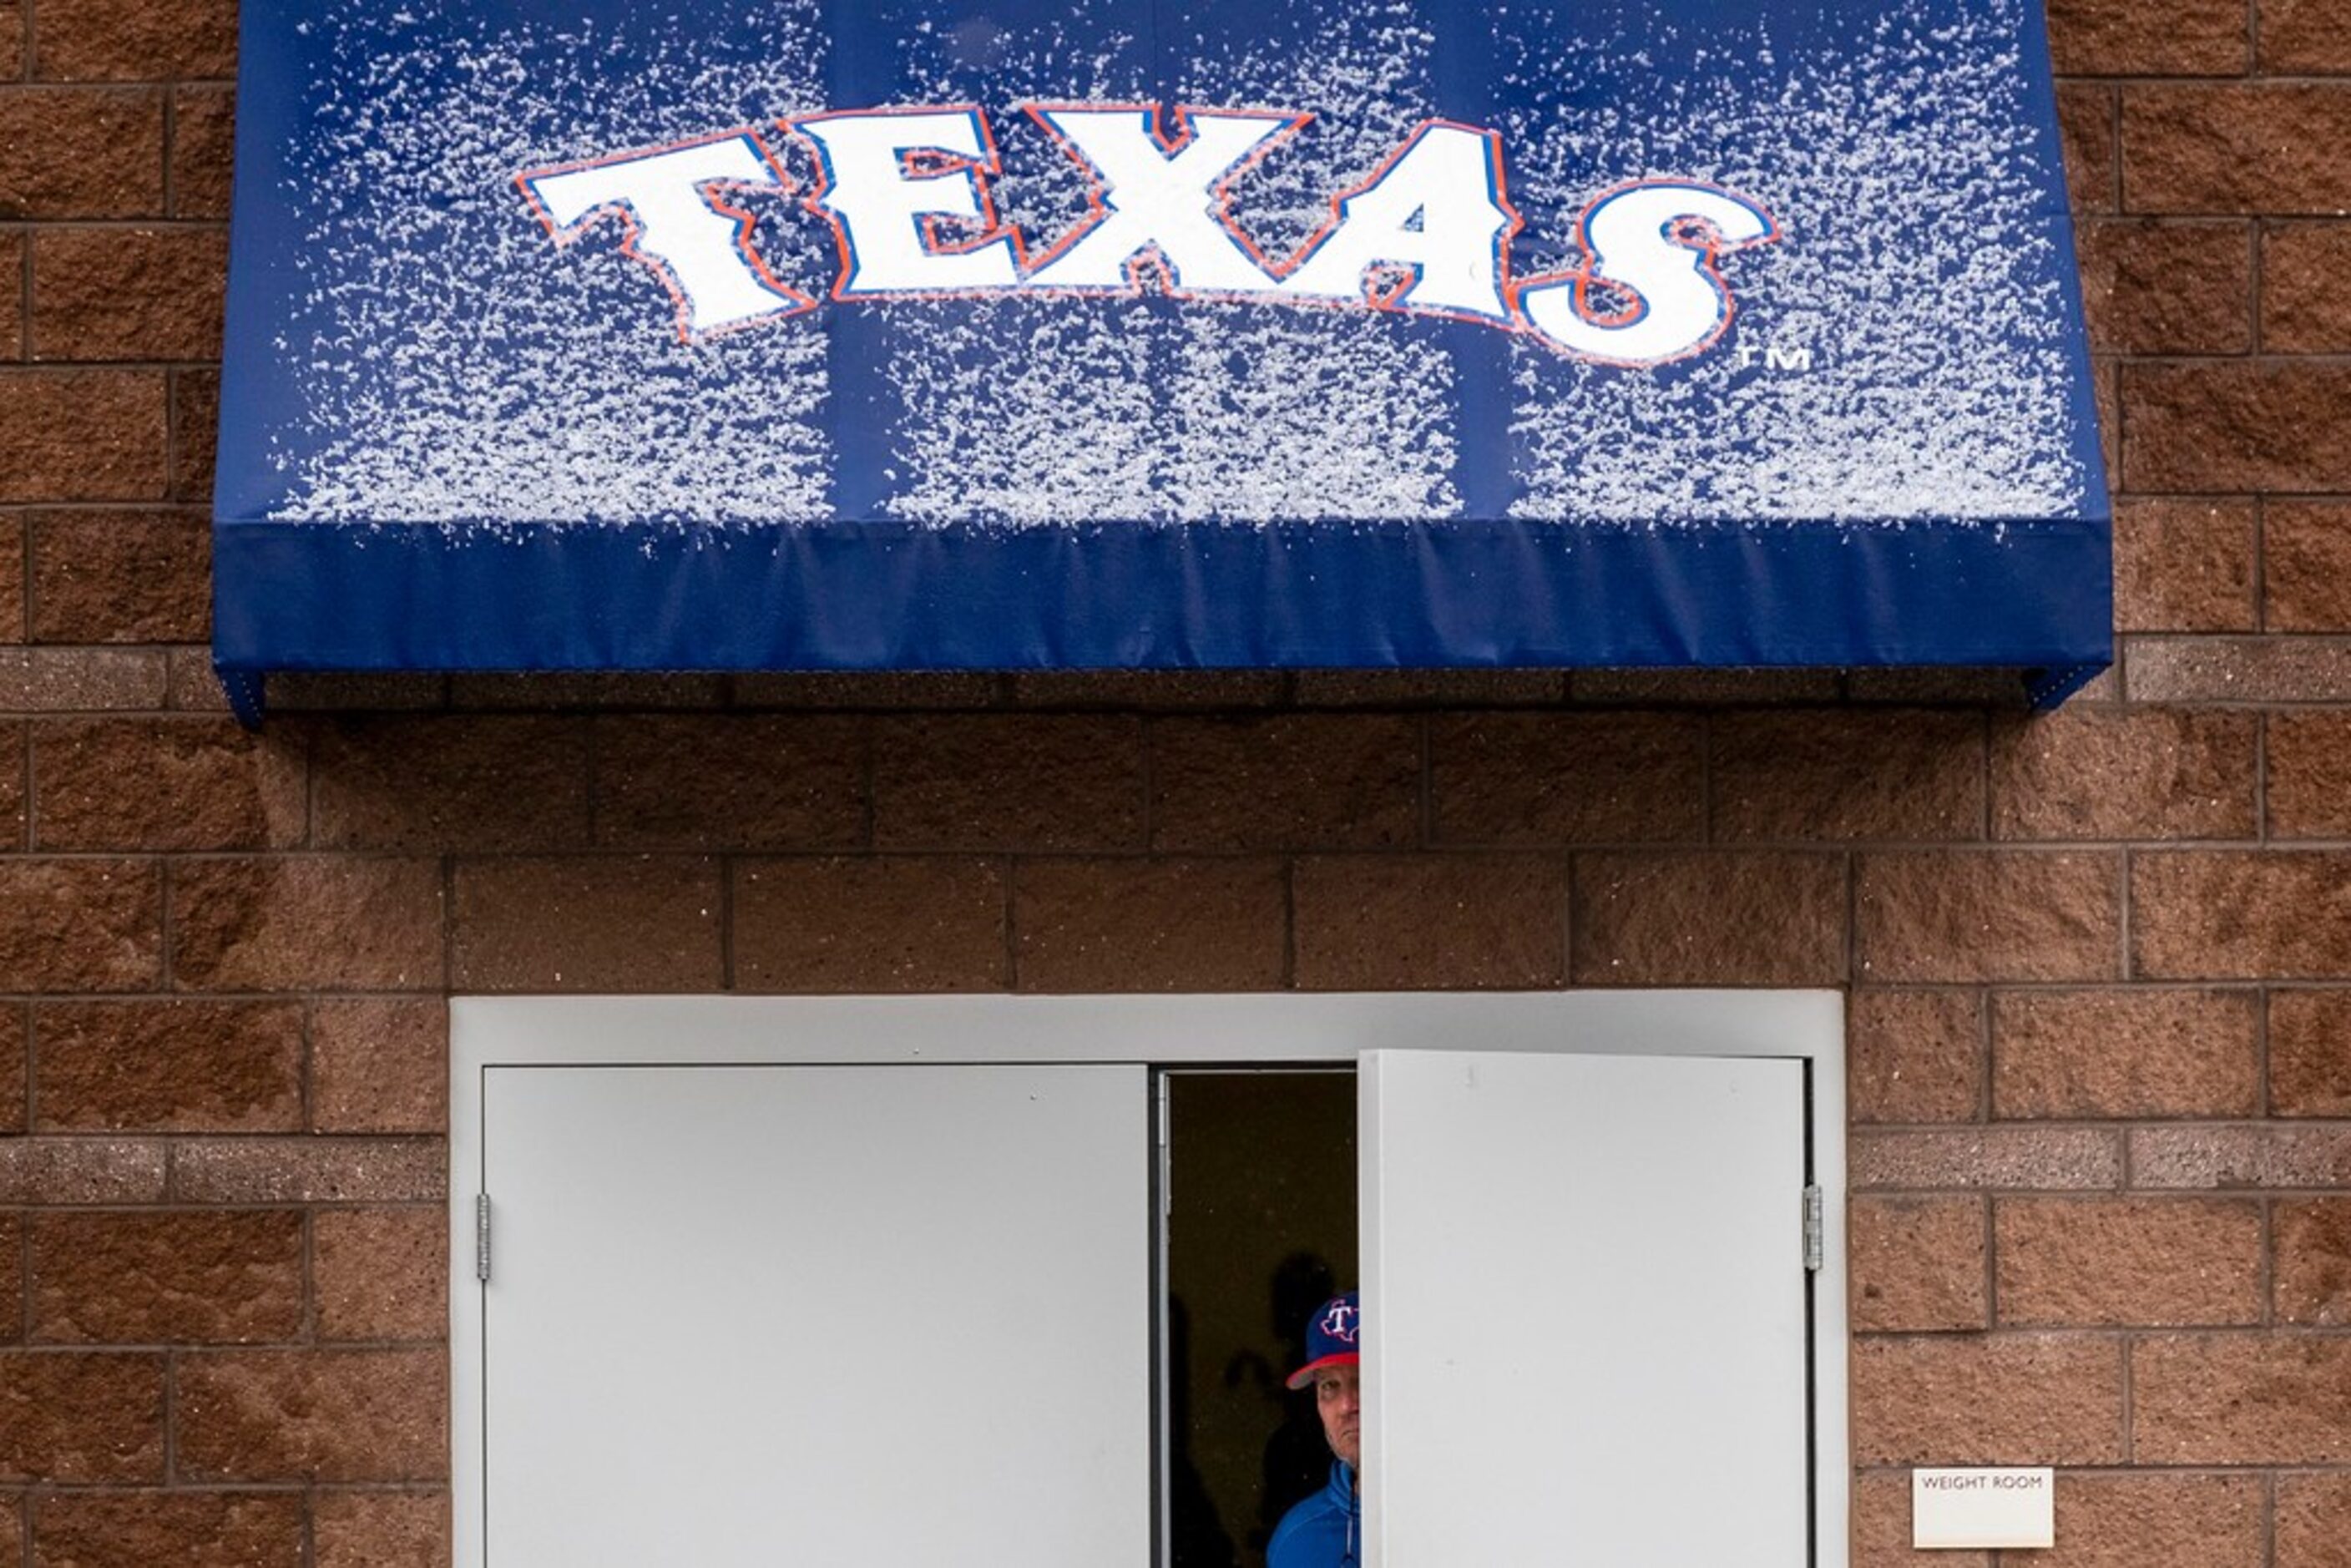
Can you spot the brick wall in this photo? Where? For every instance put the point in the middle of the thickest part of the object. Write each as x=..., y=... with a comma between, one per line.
x=2100, y=964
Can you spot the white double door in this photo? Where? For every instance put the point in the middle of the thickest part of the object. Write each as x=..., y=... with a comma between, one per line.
x=902, y=1316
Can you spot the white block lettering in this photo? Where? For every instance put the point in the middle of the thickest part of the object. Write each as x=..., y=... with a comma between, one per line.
x=695, y=243
x=1150, y=198
x=890, y=175
x=1437, y=208
x=1657, y=243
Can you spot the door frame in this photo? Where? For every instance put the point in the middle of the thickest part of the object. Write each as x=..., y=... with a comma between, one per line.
x=1231, y=1029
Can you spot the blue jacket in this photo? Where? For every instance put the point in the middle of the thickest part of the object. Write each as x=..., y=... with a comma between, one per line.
x=1325, y=1530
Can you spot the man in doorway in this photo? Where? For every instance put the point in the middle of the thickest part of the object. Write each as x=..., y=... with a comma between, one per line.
x=1325, y=1530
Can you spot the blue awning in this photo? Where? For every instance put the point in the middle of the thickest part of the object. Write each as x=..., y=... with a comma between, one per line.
x=870, y=334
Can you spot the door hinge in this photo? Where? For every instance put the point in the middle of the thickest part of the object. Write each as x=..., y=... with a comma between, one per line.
x=1166, y=1164
x=482, y=1237
x=1815, y=1230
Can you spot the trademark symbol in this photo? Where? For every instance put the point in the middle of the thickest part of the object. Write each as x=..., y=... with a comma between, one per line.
x=1792, y=359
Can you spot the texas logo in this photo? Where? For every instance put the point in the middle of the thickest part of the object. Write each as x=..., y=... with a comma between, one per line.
x=908, y=196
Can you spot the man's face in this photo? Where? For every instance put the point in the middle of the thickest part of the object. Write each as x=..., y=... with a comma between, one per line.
x=1339, y=1398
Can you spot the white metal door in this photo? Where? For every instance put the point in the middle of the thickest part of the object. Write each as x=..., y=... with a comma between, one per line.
x=887, y=1317
x=1585, y=1311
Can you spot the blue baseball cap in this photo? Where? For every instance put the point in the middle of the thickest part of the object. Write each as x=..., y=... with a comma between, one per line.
x=1331, y=1335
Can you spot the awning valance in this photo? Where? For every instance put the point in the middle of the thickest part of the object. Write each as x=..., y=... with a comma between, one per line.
x=820, y=335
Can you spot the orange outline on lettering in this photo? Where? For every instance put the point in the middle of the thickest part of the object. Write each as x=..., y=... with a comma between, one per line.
x=563, y=235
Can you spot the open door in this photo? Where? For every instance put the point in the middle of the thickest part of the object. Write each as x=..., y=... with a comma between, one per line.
x=1585, y=1310
x=891, y=1317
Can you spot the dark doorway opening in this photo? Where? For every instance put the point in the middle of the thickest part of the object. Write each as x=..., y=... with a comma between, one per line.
x=1260, y=1227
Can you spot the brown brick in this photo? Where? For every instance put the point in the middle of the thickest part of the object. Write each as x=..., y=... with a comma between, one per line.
x=2136, y=773
x=178, y=1278
x=166, y=784
x=2224, y=915
x=121, y=576
x=14, y=621
x=80, y=1170
x=1759, y=917
x=139, y=1530
x=72, y=1417
x=13, y=250
x=371, y=1529
x=15, y=824
x=80, y=153
x=1148, y=690
x=68, y=680
x=2126, y=1054
x=1537, y=778
x=2313, y=1284
x=169, y=1066
x=382, y=1273
x=916, y=923
x=335, y=691
x=2234, y=1399
x=2159, y=288
x=121, y=40
x=1987, y=916
x=310, y=1170
x=1456, y=922
x=82, y=434
x=2008, y=1399
x=2135, y=1520
x=80, y=926
x=731, y=781
x=1149, y=925
x=2309, y=763
x=2313, y=36
x=16, y=1068
x=2306, y=303
x=622, y=922
x=2260, y=1156
x=1917, y=1263
x=1289, y=781
x=326, y=1415
x=892, y=690
x=1429, y=688
x=1028, y=781
x=195, y=686
x=2088, y=119
x=128, y=294
x=11, y=1289
x=379, y=1064
x=1695, y=685
x=1987, y=1157
x=2309, y=1053
x=299, y=923
x=2233, y=425
x=2238, y=669
x=2306, y=566
x=564, y=691
x=2313, y=1522
x=2070, y=1262
x=1913, y=1056
x=202, y=129
x=2183, y=565
x=15, y=1507
x=195, y=426
x=2236, y=147
x=1850, y=775
x=450, y=782
x=2114, y=38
